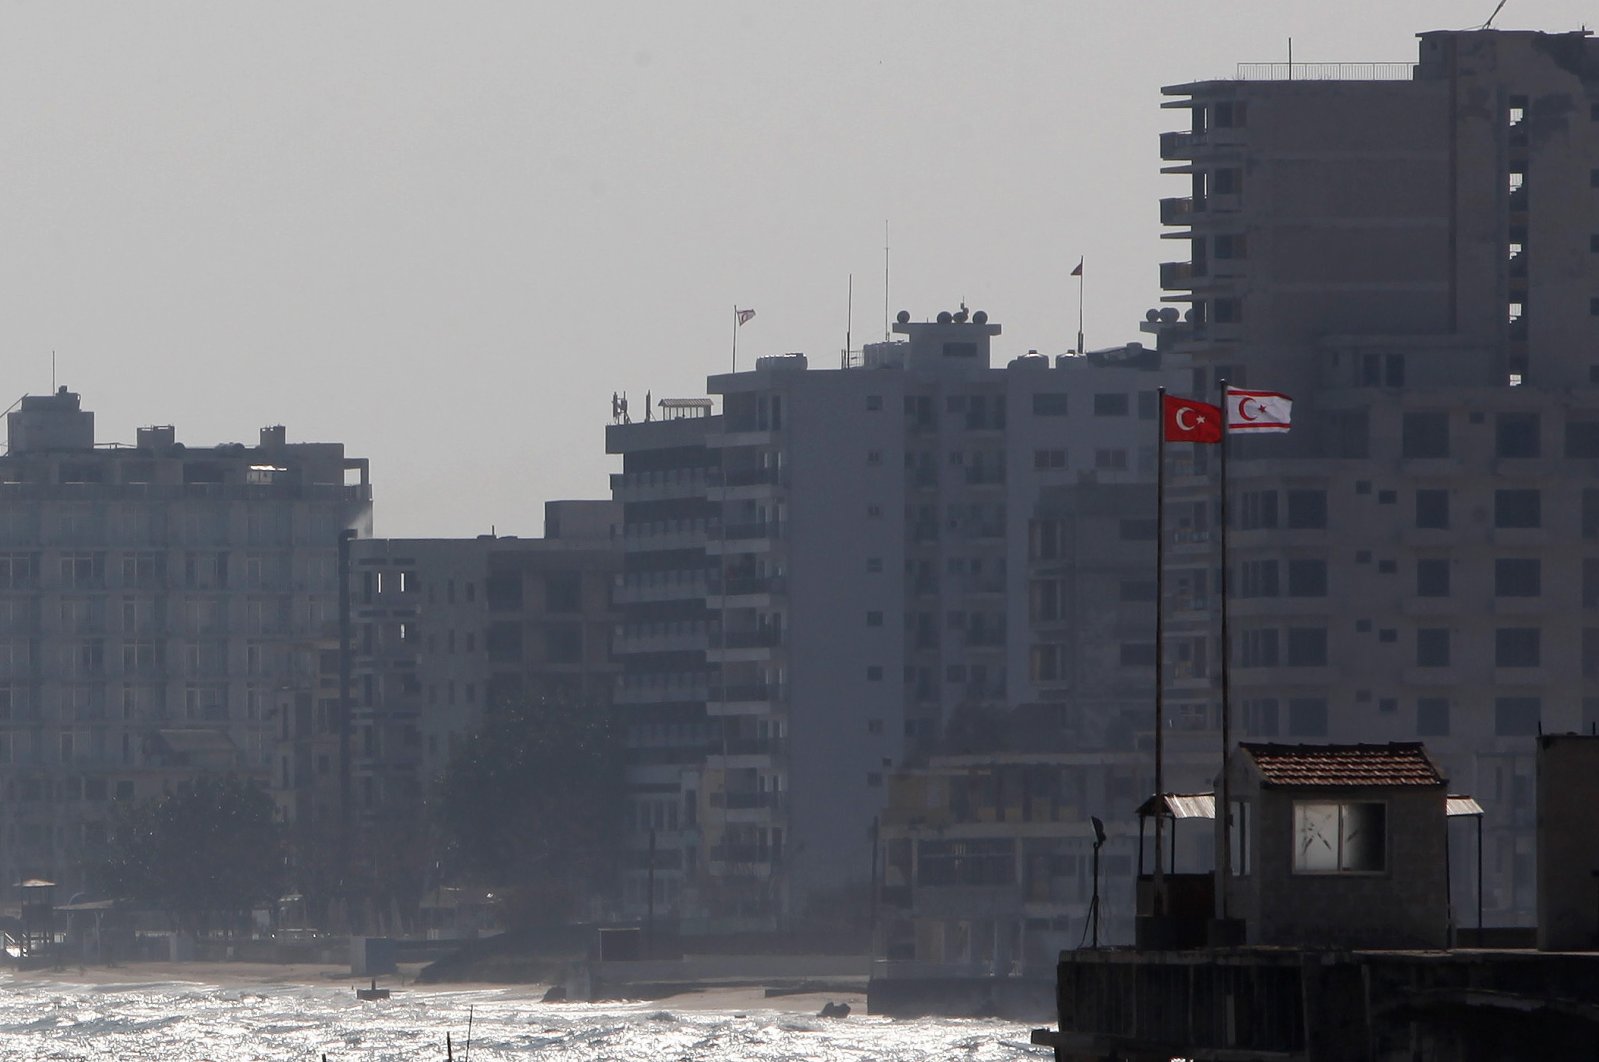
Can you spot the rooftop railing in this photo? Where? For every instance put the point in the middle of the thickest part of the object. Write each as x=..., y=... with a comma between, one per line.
x=1325, y=72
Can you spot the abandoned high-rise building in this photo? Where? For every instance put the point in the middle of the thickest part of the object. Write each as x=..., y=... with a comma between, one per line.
x=823, y=579
x=154, y=601
x=1413, y=252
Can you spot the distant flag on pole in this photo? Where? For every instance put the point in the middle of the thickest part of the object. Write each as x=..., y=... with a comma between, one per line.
x=1189, y=421
x=1079, y=270
x=1258, y=411
x=744, y=315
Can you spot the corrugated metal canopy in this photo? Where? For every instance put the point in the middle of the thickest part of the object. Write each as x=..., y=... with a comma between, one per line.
x=1180, y=806
x=1455, y=805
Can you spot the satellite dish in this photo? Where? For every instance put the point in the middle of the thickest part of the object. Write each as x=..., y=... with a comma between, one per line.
x=960, y=316
x=1099, y=830
x=904, y=317
x=1152, y=315
x=944, y=317
x=1169, y=314
x=980, y=317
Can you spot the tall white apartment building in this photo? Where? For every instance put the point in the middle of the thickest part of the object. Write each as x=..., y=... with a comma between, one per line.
x=825, y=574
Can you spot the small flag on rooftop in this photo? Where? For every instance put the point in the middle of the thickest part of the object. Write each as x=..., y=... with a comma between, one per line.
x=744, y=315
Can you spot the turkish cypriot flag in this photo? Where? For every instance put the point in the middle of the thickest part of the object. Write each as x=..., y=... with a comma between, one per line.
x=1258, y=411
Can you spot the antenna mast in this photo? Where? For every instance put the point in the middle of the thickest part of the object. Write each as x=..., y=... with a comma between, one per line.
x=849, y=319
x=885, y=280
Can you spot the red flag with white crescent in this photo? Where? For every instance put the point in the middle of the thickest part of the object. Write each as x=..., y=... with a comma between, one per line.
x=1186, y=420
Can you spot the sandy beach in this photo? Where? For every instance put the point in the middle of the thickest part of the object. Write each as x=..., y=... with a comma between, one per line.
x=244, y=975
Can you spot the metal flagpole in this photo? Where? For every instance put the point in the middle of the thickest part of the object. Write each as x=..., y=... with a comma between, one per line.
x=1224, y=790
x=1080, y=350
x=735, y=337
x=1160, y=652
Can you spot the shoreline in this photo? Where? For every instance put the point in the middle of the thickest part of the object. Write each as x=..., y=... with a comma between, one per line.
x=229, y=976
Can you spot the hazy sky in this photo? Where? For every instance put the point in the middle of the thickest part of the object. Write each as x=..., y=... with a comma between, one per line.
x=444, y=233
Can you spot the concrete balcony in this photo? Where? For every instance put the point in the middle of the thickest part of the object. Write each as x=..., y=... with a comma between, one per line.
x=757, y=699
x=745, y=588
x=642, y=539
x=1176, y=276
x=1177, y=210
x=688, y=590
x=681, y=641
x=657, y=486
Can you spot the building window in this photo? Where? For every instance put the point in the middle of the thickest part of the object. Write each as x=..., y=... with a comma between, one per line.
x=1432, y=578
x=1582, y=438
x=1227, y=311
x=1340, y=838
x=1432, y=647
x=1516, y=716
x=1516, y=435
x=1258, y=579
x=1432, y=509
x=1136, y=531
x=874, y=564
x=874, y=619
x=1307, y=578
x=1260, y=510
x=1307, y=509
x=1432, y=716
x=1138, y=654
x=874, y=457
x=1050, y=404
x=1517, y=647
x=1044, y=459
x=1110, y=405
x=874, y=673
x=1307, y=647
x=1260, y=717
x=1137, y=590
x=1258, y=649
x=1425, y=435
x=1517, y=577
x=1517, y=508
x=1110, y=460
x=1307, y=717
x=874, y=403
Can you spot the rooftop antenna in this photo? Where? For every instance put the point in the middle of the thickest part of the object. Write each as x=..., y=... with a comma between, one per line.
x=1500, y=7
x=849, y=319
x=885, y=280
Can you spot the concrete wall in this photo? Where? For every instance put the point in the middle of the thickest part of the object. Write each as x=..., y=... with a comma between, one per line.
x=1568, y=826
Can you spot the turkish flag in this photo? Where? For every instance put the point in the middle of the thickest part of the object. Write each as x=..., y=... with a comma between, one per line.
x=1186, y=420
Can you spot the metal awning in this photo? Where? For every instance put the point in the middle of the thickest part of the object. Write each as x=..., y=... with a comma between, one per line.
x=1180, y=806
x=1457, y=805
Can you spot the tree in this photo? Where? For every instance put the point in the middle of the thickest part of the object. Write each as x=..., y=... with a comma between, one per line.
x=533, y=800
x=211, y=847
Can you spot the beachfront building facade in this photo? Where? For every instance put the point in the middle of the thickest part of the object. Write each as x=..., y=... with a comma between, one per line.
x=1411, y=253
x=155, y=599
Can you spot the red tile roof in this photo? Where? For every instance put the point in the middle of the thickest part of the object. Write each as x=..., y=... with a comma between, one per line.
x=1398, y=764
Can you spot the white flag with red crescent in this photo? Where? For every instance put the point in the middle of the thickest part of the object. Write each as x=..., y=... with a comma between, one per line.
x=1258, y=411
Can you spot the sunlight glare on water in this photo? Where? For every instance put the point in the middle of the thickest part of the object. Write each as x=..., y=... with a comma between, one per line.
x=180, y=1022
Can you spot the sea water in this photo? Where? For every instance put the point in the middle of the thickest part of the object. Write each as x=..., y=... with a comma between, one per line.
x=176, y=1021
